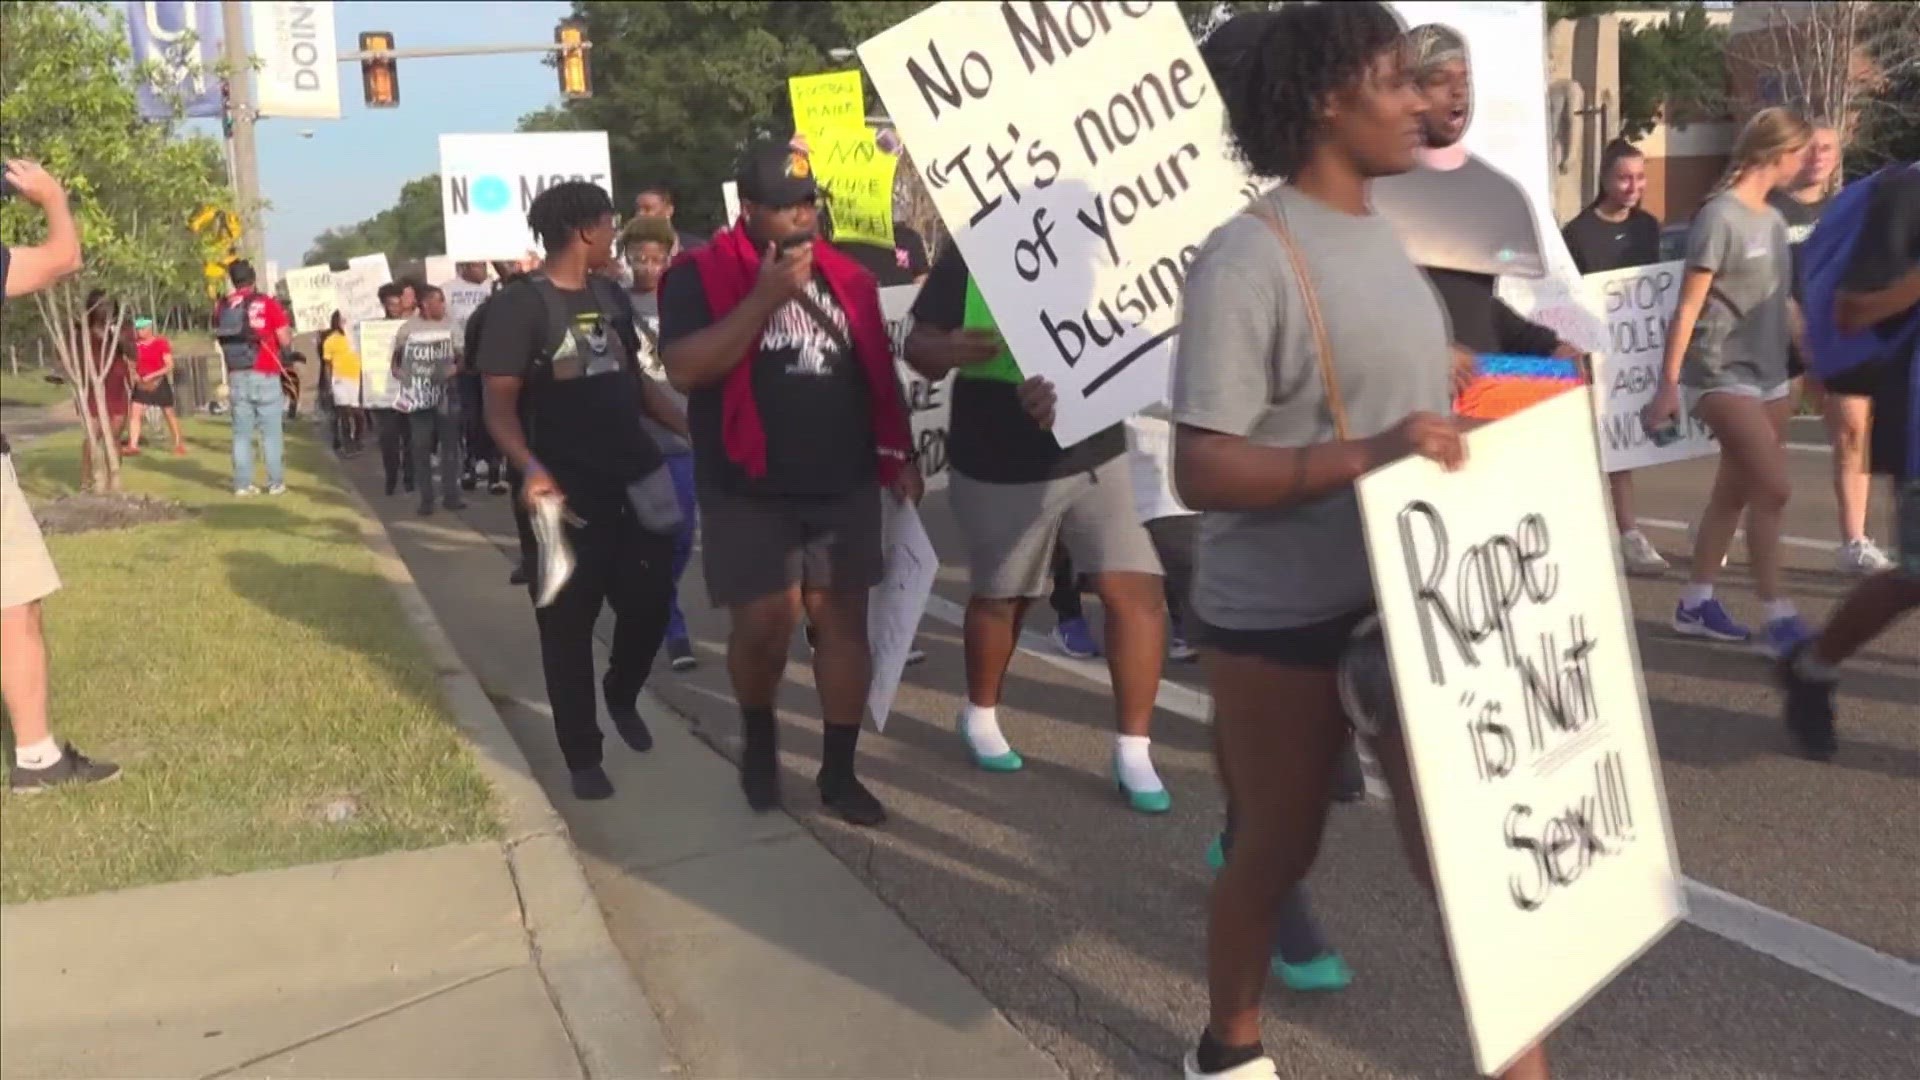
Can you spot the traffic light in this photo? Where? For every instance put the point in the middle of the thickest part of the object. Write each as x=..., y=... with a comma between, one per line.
x=379, y=75
x=571, y=36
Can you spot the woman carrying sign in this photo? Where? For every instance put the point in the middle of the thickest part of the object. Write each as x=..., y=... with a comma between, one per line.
x=1282, y=308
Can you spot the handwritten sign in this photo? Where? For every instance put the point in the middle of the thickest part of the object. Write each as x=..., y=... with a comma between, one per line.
x=1621, y=318
x=311, y=289
x=858, y=178
x=895, y=605
x=1518, y=678
x=929, y=404
x=376, y=337
x=827, y=102
x=1077, y=154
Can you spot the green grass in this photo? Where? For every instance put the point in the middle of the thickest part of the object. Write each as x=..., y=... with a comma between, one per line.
x=246, y=666
x=31, y=389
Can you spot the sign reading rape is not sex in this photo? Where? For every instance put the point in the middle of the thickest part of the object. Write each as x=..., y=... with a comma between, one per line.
x=1076, y=152
x=1518, y=681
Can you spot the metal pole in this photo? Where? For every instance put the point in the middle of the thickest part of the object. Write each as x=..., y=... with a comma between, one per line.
x=246, y=160
x=356, y=56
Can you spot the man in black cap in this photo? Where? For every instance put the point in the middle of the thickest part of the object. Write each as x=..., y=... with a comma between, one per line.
x=797, y=424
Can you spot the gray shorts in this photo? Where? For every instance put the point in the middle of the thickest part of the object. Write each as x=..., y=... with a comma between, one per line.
x=1011, y=530
x=755, y=547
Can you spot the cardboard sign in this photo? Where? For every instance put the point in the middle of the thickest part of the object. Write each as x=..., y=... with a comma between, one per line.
x=895, y=605
x=312, y=291
x=929, y=404
x=299, y=66
x=1532, y=750
x=826, y=102
x=376, y=337
x=858, y=178
x=1077, y=154
x=488, y=181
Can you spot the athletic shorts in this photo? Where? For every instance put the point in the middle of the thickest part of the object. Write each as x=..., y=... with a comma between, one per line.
x=161, y=396
x=1012, y=530
x=1314, y=645
x=758, y=546
x=29, y=573
x=1777, y=392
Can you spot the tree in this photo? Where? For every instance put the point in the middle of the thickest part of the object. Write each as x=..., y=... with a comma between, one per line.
x=1851, y=63
x=412, y=228
x=1673, y=71
x=133, y=184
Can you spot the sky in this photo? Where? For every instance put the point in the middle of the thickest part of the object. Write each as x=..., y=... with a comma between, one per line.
x=352, y=168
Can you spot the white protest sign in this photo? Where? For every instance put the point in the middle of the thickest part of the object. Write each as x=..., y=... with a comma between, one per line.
x=375, y=264
x=929, y=404
x=730, y=195
x=437, y=268
x=299, y=65
x=463, y=297
x=376, y=361
x=1150, y=462
x=895, y=605
x=1077, y=154
x=1518, y=681
x=357, y=292
x=312, y=291
x=488, y=181
x=1621, y=318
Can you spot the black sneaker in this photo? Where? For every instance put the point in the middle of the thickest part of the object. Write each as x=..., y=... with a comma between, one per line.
x=426, y=507
x=407, y=483
x=624, y=709
x=847, y=796
x=591, y=783
x=517, y=576
x=497, y=487
x=73, y=767
x=1809, y=710
x=392, y=484
x=916, y=655
x=455, y=503
x=680, y=655
x=469, y=482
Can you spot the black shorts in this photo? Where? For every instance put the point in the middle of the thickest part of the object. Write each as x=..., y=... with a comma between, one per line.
x=755, y=546
x=1314, y=645
x=161, y=395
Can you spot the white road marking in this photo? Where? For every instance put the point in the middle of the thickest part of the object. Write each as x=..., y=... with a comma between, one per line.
x=1805, y=542
x=1821, y=953
x=1811, y=448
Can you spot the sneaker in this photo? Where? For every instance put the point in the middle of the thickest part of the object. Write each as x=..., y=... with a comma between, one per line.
x=1639, y=554
x=1178, y=649
x=1710, y=621
x=1260, y=1068
x=624, y=711
x=916, y=655
x=680, y=655
x=455, y=503
x=517, y=576
x=73, y=767
x=847, y=796
x=469, y=482
x=277, y=489
x=247, y=492
x=1862, y=556
x=497, y=487
x=1074, y=638
x=591, y=783
x=1783, y=636
x=1809, y=707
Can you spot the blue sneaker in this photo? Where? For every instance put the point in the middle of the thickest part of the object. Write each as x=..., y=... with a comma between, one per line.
x=1709, y=621
x=1783, y=636
x=1075, y=638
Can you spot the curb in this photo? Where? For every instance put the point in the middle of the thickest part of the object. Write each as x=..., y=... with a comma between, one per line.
x=611, y=1024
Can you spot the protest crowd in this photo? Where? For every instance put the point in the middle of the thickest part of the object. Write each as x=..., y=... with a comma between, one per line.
x=644, y=397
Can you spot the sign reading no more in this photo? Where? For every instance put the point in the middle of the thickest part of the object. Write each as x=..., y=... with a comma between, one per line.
x=487, y=182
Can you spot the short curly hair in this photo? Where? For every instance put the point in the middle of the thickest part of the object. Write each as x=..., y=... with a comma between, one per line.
x=647, y=230
x=1306, y=51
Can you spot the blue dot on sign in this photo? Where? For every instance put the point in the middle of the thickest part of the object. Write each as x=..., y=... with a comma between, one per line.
x=490, y=194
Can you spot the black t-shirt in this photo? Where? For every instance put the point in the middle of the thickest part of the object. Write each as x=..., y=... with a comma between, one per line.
x=582, y=410
x=813, y=399
x=989, y=436
x=1482, y=323
x=1599, y=245
x=898, y=265
x=1801, y=217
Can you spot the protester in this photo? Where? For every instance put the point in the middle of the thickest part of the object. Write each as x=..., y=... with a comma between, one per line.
x=646, y=243
x=465, y=293
x=252, y=330
x=563, y=403
x=1727, y=346
x=522, y=572
x=1018, y=496
x=656, y=201
x=1327, y=104
x=395, y=434
x=1880, y=291
x=154, y=386
x=425, y=359
x=1614, y=233
x=340, y=369
x=290, y=382
x=40, y=761
x=798, y=422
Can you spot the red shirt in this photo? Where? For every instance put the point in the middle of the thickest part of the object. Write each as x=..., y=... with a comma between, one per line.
x=269, y=318
x=152, y=356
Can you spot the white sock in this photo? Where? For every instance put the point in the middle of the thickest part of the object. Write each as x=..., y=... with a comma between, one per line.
x=1696, y=594
x=1780, y=609
x=41, y=755
x=1136, y=763
x=982, y=729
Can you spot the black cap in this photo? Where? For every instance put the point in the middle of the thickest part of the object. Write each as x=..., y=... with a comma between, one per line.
x=774, y=174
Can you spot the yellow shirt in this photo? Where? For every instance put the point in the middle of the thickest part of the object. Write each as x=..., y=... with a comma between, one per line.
x=340, y=356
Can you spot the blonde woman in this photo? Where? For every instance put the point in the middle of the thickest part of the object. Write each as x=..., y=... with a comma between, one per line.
x=1726, y=361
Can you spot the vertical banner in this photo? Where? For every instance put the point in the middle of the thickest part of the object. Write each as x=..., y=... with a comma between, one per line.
x=299, y=62
x=312, y=291
x=895, y=605
x=827, y=102
x=1077, y=154
x=182, y=42
x=1518, y=680
x=488, y=181
x=928, y=403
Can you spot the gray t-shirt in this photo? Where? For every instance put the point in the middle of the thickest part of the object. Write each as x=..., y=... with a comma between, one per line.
x=1247, y=365
x=424, y=352
x=1743, y=331
x=646, y=323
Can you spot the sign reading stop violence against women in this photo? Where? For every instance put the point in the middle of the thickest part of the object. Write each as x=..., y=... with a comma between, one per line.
x=1518, y=680
x=1077, y=153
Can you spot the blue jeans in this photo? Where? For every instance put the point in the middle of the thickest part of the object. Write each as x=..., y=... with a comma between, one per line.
x=257, y=406
x=681, y=466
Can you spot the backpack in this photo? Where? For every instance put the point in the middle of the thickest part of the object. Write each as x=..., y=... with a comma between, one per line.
x=1824, y=258
x=606, y=296
x=239, y=345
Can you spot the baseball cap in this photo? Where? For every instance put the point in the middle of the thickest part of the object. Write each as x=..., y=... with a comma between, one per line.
x=774, y=174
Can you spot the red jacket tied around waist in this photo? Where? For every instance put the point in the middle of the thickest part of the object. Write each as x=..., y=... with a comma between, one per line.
x=728, y=267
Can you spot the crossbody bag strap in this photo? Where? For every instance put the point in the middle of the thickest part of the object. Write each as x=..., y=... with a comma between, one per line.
x=1263, y=209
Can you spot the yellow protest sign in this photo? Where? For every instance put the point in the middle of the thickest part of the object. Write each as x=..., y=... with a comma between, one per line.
x=827, y=102
x=858, y=179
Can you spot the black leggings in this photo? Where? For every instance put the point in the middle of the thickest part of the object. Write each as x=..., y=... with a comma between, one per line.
x=1065, y=598
x=396, y=445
